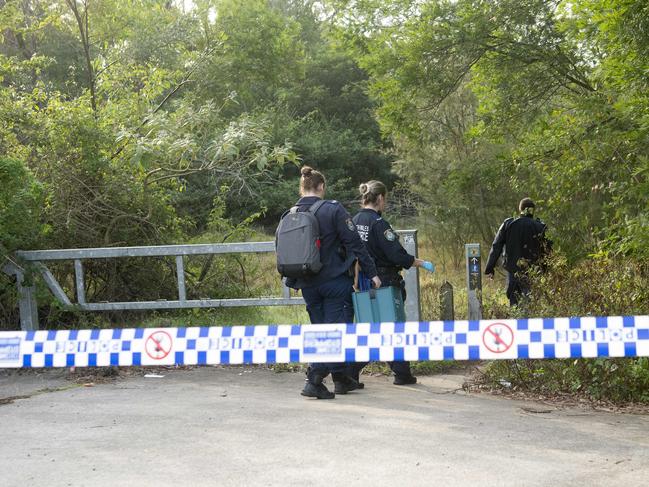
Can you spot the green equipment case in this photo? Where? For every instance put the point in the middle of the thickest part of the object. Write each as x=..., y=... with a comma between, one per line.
x=379, y=305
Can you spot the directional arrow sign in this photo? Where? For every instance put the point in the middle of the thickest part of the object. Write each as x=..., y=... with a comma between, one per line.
x=474, y=281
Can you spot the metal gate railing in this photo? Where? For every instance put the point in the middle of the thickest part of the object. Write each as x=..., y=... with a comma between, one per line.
x=27, y=291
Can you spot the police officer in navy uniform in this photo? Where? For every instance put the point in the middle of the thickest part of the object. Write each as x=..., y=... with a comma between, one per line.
x=328, y=294
x=388, y=254
x=525, y=243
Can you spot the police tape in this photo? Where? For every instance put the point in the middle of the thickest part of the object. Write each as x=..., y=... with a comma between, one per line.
x=544, y=338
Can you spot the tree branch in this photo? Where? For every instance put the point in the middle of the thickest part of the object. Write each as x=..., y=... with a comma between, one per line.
x=82, y=23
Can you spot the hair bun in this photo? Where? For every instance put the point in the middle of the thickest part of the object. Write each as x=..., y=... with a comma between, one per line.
x=306, y=171
x=363, y=189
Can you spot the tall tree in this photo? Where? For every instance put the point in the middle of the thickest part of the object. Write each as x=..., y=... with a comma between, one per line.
x=548, y=118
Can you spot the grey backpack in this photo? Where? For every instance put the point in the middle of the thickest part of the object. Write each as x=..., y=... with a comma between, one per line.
x=297, y=242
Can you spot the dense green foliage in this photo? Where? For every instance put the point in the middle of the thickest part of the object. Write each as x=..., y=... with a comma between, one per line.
x=491, y=101
x=148, y=122
x=20, y=203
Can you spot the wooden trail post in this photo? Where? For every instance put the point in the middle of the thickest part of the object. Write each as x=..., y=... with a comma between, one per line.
x=446, y=311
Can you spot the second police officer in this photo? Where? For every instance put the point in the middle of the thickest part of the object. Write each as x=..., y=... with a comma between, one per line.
x=388, y=254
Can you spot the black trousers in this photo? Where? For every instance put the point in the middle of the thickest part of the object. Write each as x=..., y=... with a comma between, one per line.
x=330, y=302
x=518, y=287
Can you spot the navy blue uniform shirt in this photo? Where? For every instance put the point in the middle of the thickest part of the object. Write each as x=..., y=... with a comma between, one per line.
x=381, y=240
x=340, y=244
x=524, y=242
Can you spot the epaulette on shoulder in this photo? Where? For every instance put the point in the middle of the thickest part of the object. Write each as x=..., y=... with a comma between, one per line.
x=507, y=223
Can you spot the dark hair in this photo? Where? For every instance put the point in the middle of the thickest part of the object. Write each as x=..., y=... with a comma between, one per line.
x=371, y=190
x=310, y=180
x=526, y=206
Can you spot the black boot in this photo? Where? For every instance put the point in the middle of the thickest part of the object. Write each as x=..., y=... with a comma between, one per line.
x=356, y=374
x=318, y=391
x=403, y=380
x=402, y=374
x=344, y=384
x=357, y=378
x=315, y=388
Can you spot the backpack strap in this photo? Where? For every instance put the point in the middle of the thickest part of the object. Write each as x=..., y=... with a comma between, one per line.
x=316, y=206
x=290, y=210
x=312, y=209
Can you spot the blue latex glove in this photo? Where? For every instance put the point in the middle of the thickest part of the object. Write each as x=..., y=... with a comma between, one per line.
x=429, y=266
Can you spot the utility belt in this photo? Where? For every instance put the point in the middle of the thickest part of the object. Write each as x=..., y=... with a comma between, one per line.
x=390, y=276
x=388, y=270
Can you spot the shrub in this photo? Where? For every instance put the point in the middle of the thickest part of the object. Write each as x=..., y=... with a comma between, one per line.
x=21, y=198
x=598, y=287
x=20, y=203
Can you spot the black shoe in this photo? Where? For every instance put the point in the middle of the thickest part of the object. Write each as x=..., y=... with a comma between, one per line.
x=358, y=381
x=345, y=385
x=405, y=380
x=318, y=391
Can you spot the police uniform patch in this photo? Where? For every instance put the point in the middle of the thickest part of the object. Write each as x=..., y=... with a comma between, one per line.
x=350, y=225
x=389, y=235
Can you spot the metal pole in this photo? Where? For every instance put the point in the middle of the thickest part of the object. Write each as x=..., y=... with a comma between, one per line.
x=53, y=284
x=286, y=291
x=81, y=289
x=474, y=280
x=412, y=305
x=180, y=271
x=27, y=304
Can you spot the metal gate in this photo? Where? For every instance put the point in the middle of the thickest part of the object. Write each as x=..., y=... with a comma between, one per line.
x=38, y=258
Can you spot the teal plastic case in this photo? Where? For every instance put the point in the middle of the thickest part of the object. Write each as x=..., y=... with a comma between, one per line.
x=379, y=305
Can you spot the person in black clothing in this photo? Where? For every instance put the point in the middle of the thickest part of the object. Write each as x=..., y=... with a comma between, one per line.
x=328, y=294
x=389, y=256
x=525, y=243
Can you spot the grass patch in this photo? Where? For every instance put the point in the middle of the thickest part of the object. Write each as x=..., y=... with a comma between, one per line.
x=418, y=368
x=253, y=315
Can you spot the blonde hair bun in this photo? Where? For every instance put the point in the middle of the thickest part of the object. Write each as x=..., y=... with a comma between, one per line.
x=306, y=171
x=371, y=190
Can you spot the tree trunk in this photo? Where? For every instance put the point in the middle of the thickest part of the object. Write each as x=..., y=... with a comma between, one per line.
x=82, y=23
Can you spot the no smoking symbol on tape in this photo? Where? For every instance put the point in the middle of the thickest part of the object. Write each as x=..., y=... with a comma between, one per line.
x=498, y=337
x=158, y=345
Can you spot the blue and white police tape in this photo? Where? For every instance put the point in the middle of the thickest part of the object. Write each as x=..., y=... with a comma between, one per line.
x=361, y=342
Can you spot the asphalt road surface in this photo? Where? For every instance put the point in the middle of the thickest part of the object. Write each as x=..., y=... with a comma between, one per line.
x=248, y=427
